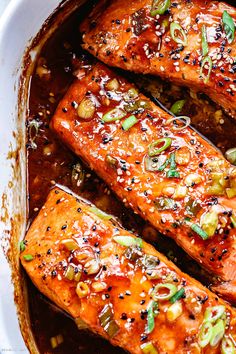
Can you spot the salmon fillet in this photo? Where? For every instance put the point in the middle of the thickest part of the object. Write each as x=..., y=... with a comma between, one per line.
x=175, y=45
x=126, y=292
x=185, y=189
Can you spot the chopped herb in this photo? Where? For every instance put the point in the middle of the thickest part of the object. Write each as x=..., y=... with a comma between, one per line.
x=159, y=7
x=129, y=122
x=28, y=257
x=22, y=246
x=180, y=293
x=229, y=26
x=204, y=41
x=153, y=150
x=128, y=241
x=152, y=313
x=181, y=37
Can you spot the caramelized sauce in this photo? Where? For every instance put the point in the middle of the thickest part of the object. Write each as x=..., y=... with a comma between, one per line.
x=50, y=162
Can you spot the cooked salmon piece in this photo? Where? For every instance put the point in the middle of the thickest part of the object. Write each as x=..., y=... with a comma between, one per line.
x=121, y=287
x=157, y=165
x=191, y=43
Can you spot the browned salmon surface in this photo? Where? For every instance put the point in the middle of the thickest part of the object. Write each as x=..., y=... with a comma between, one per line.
x=189, y=44
x=181, y=184
x=121, y=287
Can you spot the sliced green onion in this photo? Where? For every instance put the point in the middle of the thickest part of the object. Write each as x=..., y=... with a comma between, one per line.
x=113, y=115
x=212, y=314
x=218, y=332
x=180, y=293
x=233, y=220
x=154, y=163
x=153, y=150
x=33, y=132
x=107, y=322
x=172, y=171
x=86, y=109
x=128, y=241
x=165, y=164
x=164, y=203
x=159, y=7
x=70, y=244
x=177, y=107
x=148, y=348
x=231, y=156
x=205, y=334
x=152, y=312
x=175, y=27
x=70, y=272
x=22, y=246
x=229, y=26
x=174, y=311
x=209, y=222
x=227, y=346
x=28, y=257
x=132, y=93
x=169, y=291
x=204, y=41
x=129, y=122
x=196, y=228
x=206, y=60
x=101, y=214
x=183, y=119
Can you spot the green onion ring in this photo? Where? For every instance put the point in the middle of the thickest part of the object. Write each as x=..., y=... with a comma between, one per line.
x=171, y=288
x=218, y=332
x=196, y=228
x=227, y=346
x=175, y=26
x=113, y=115
x=184, y=119
x=205, y=334
x=212, y=314
x=153, y=151
x=206, y=60
x=159, y=7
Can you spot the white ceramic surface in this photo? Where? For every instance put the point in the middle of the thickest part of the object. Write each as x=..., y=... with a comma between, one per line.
x=19, y=24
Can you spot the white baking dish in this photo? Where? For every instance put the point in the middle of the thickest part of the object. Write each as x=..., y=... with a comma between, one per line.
x=19, y=25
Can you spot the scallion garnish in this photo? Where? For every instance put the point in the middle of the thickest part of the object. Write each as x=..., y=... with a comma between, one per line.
x=231, y=156
x=183, y=119
x=153, y=150
x=227, y=346
x=164, y=292
x=148, y=348
x=22, y=246
x=218, y=331
x=107, y=322
x=28, y=257
x=212, y=314
x=128, y=241
x=205, y=334
x=159, y=7
x=101, y=214
x=152, y=312
x=180, y=37
x=207, y=60
x=180, y=293
x=129, y=122
x=229, y=26
x=172, y=171
x=196, y=228
x=177, y=107
x=204, y=41
x=113, y=115
x=233, y=220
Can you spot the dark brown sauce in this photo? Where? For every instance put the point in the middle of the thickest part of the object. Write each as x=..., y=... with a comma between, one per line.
x=51, y=162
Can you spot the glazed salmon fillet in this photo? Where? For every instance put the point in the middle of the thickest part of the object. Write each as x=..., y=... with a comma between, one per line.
x=163, y=170
x=121, y=287
x=188, y=42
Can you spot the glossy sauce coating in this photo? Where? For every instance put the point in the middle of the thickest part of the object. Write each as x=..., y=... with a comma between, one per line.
x=143, y=190
x=124, y=34
x=124, y=273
